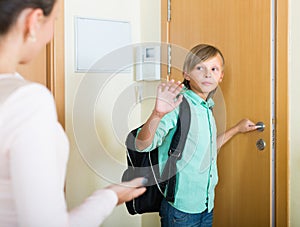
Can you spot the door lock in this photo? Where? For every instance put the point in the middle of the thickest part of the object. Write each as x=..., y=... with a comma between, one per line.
x=261, y=144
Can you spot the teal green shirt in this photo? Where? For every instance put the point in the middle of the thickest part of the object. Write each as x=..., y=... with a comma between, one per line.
x=197, y=170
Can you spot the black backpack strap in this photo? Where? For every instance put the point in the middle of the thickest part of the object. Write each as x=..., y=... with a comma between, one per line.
x=168, y=177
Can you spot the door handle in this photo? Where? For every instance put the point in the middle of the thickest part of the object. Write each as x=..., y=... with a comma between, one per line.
x=260, y=126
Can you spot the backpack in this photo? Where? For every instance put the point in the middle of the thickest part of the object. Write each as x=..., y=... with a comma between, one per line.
x=145, y=164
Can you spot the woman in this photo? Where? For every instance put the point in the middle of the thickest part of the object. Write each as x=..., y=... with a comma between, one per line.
x=33, y=145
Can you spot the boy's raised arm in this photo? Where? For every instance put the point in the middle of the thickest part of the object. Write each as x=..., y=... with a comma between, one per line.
x=167, y=99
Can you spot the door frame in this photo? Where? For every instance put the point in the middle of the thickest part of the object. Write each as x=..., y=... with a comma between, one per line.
x=281, y=106
x=56, y=65
x=281, y=121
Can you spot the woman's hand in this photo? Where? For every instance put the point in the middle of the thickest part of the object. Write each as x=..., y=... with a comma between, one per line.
x=129, y=190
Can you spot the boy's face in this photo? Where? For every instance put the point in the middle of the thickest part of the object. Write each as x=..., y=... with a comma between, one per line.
x=206, y=76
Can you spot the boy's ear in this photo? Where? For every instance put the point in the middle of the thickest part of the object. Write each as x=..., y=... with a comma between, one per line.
x=221, y=77
x=186, y=76
x=33, y=22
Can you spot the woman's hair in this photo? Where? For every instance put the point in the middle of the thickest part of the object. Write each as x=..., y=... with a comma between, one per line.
x=10, y=10
x=198, y=54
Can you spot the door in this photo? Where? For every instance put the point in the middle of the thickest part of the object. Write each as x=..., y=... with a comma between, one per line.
x=242, y=31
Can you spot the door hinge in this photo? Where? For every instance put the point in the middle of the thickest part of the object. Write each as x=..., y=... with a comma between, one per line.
x=169, y=11
x=169, y=45
x=169, y=59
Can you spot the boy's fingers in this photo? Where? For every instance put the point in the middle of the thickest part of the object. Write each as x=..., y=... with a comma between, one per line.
x=178, y=100
x=179, y=88
x=175, y=87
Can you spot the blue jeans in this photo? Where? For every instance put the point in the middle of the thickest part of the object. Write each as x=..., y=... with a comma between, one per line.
x=171, y=217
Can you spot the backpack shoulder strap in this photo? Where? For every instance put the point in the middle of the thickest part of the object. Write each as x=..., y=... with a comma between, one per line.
x=183, y=126
x=168, y=177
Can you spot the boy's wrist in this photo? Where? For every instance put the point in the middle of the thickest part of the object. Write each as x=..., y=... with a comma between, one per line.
x=236, y=129
x=158, y=114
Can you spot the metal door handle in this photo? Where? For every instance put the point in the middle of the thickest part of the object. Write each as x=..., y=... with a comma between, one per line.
x=260, y=126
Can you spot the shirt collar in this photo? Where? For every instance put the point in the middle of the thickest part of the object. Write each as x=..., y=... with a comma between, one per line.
x=11, y=75
x=196, y=99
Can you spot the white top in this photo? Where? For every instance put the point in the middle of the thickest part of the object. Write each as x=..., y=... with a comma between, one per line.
x=33, y=157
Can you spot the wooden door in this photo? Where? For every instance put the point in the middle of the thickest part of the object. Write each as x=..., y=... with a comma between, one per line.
x=48, y=67
x=242, y=31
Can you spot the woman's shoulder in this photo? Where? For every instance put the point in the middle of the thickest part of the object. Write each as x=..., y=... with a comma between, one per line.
x=21, y=99
x=17, y=89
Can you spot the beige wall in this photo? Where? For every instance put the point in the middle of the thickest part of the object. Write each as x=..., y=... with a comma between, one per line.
x=294, y=95
x=83, y=178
